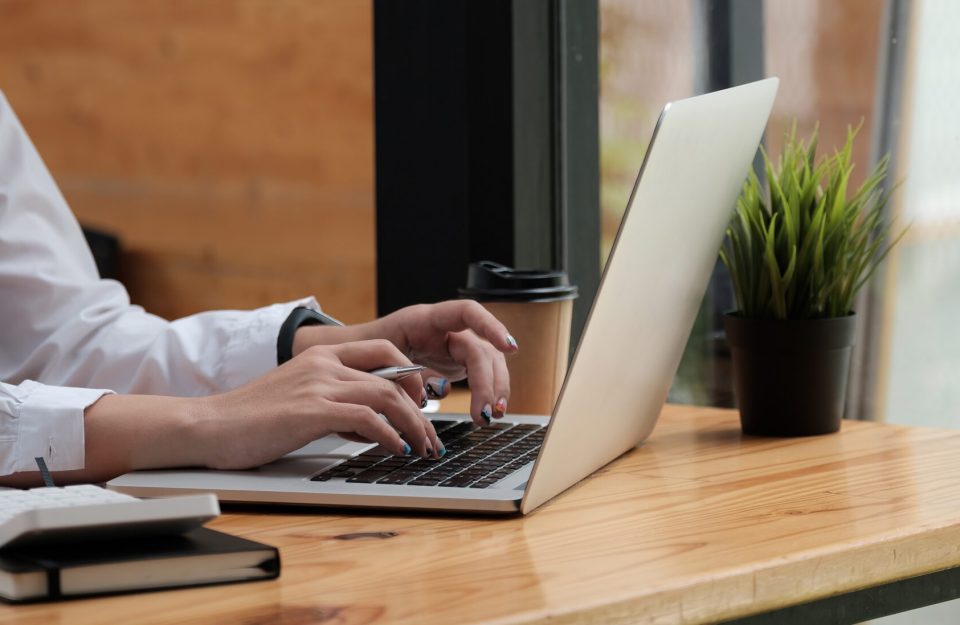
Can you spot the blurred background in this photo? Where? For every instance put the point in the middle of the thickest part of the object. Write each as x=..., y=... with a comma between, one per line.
x=893, y=66
x=227, y=143
x=230, y=146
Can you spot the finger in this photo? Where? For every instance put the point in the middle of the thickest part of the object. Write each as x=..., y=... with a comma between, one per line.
x=375, y=354
x=459, y=315
x=364, y=422
x=437, y=387
x=390, y=400
x=412, y=384
x=433, y=381
x=434, y=446
x=436, y=449
x=501, y=384
x=468, y=349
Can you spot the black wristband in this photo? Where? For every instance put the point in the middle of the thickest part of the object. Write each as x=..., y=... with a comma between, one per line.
x=299, y=316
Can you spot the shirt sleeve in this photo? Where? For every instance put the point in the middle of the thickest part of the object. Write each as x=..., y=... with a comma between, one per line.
x=42, y=421
x=72, y=332
x=62, y=325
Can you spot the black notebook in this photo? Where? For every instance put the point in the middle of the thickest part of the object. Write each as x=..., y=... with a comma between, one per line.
x=197, y=558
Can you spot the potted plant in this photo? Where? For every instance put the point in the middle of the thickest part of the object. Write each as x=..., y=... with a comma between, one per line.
x=798, y=252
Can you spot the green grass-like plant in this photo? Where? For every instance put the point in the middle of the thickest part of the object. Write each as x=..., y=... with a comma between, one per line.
x=802, y=249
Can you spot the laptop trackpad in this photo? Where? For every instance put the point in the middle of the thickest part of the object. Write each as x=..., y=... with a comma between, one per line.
x=314, y=457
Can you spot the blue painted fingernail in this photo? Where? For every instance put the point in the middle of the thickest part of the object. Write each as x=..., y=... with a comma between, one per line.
x=486, y=413
x=443, y=452
x=407, y=449
x=429, y=450
x=436, y=387
x=512, y=342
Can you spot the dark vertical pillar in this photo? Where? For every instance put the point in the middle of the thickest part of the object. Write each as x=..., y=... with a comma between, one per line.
x=578, y=50
x=422, y=150
x=486, y=142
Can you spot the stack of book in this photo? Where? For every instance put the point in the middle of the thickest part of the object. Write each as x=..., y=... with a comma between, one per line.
x=128, y=545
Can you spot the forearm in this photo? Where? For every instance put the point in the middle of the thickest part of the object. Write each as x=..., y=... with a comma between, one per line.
x=128, y=432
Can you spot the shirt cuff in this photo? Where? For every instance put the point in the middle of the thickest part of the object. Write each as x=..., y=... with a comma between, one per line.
x=50, y=422
x=252, y=348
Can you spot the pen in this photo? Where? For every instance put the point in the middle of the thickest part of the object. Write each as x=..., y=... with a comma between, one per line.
x=398, y=372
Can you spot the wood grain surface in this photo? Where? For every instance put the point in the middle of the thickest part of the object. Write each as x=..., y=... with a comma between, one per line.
x=697, y=525
x=229, y=143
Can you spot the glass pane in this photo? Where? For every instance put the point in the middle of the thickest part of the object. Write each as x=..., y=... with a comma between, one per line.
x=826, y=54
x=920, y=382
x=646, y=60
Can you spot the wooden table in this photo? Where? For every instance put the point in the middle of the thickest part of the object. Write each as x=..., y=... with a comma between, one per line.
x=700, y=524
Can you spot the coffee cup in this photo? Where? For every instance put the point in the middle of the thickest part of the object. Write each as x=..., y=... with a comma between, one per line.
x=537, y=308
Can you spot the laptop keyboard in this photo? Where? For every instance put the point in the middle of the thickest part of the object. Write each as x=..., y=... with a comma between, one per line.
x=477, y=457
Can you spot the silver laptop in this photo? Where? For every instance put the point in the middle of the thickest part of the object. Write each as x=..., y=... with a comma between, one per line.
x=617, y=382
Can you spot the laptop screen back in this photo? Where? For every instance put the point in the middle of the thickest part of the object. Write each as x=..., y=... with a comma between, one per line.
x=653, y=283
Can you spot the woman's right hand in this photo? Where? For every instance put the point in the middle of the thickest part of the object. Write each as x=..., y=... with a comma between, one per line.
x=325, y=389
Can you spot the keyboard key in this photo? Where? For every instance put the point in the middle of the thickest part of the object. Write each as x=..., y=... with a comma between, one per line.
x=485, y=482
x=368, y=477
x=359, y=463
x=393, y=478
x=441, y=426
x=344, y=472
x=377, y=452
x=458, y=481
x=425, y=481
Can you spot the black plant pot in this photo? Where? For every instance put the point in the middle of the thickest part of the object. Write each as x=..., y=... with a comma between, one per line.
x=790, y=377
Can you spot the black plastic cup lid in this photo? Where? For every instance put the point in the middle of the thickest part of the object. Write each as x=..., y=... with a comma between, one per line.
x=488, y=281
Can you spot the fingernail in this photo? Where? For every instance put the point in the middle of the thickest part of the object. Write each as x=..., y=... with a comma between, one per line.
x=423, y=402
x=486, y=413
x=407, y=449
x=512, y=342
x=429, y=450
x=443, y=452
x=501, y=406
x=436, y=387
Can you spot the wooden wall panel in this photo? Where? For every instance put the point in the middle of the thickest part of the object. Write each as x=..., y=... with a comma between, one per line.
x=228, y=142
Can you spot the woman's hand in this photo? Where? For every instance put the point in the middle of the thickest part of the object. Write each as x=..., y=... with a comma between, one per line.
x=456, y=339
x=325, y=389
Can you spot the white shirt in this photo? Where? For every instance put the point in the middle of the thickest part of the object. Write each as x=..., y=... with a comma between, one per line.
x=68, y=337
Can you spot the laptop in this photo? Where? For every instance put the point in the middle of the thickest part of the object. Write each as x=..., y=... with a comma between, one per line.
x=617, y=382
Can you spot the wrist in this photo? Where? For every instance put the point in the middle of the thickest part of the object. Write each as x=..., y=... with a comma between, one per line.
x=382, y=328
x=287, y=345
x=308, y=336
x=130, y=432
x=195, y=430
